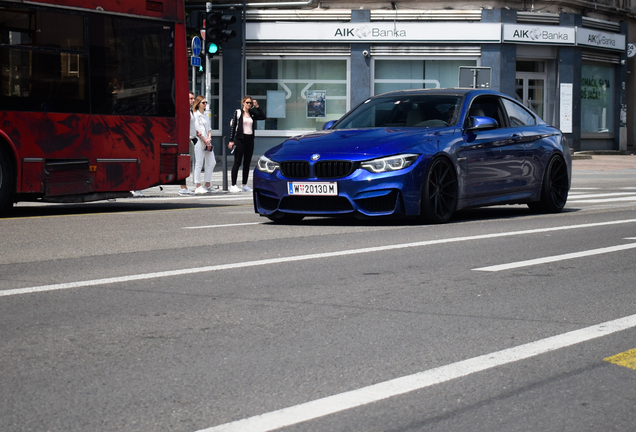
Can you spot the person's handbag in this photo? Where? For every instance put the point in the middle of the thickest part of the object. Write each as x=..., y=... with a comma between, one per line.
x=234, y=119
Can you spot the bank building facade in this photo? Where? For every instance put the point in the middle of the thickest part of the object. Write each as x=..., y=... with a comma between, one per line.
x=571, y=62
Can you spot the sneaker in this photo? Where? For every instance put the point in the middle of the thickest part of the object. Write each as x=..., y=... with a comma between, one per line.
x=234, y=189
x=215, y=190
x=185, y=191
x=201, y=190
x=246, y=188
x=136, y=194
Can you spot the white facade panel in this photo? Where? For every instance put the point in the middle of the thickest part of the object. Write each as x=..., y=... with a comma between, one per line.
x=538, y=34
x=599, y=39
x=373, y=32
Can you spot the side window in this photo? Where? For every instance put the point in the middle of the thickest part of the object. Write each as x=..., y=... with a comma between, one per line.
x=518, y=114
x=44, y=62
x=132, y=66
x=487, y=107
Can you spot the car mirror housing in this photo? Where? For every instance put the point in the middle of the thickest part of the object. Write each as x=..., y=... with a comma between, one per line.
x=329, y=124
x=477, y=123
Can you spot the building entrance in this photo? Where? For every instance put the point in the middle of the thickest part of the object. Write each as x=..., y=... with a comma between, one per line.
x=531, y=86
x=530, y=89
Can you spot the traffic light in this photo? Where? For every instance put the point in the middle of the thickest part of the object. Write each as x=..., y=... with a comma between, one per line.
x=226, y=34
x=212, y=32
x=216, y=30
x=194, y=20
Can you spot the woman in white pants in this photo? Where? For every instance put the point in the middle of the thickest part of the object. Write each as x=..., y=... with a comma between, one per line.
x=203, y=149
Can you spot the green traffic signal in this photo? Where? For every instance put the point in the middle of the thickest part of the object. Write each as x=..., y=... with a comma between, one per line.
x=217, y=31
x=213, y=48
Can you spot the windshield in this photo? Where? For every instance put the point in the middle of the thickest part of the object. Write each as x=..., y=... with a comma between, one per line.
x=403, y=111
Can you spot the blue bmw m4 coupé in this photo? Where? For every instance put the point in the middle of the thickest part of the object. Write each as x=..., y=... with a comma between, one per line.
x=423, y=153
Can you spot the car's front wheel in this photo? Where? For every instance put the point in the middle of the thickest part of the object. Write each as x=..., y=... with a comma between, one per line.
x=554, y=191
x=439, y=192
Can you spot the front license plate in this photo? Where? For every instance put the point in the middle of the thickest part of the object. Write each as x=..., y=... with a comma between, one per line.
x=296, y=188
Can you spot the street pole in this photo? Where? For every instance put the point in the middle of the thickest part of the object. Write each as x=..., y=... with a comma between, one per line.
x=208, y=69
x=244, y=63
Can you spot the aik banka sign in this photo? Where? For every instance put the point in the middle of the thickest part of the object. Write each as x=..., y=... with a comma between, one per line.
x=599, y=39
x=372, y=32
x=539, y=34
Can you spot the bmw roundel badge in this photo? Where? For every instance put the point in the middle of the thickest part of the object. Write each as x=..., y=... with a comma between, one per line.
x=315, y=157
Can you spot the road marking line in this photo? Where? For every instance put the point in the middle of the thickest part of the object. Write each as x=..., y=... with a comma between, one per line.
x=596, y=201
x=627, y=359
x=556, y=258
x=602, y=195
x=222, y=226
x=245, y=264
x=384, y=390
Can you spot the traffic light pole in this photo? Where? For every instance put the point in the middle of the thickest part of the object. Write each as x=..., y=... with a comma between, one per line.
x=243, y=42
x=208, y=68
x=208, y=97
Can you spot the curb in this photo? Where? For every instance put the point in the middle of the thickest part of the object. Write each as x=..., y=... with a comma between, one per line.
x=589, y=154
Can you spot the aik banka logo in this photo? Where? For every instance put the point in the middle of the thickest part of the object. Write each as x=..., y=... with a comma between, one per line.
x=363, y=32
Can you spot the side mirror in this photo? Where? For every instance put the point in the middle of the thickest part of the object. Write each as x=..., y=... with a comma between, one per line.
x=329, y=124
x=476, y=123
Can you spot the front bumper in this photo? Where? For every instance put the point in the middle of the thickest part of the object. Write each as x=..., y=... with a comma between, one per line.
x=361, y=193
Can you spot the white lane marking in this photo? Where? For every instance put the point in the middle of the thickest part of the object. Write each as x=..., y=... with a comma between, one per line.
x=556, y=258
x=169, y=273
x=603, y=195
x=195, y=197
x=596, y=201
x=228, y=198
x=384, y=390
x=223, y=226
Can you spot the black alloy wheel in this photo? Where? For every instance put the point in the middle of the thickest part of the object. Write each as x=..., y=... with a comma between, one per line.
x=555, y=188
x=439, y=194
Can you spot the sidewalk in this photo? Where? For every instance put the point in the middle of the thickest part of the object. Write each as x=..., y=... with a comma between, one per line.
x=603, y=161
x=217, y=180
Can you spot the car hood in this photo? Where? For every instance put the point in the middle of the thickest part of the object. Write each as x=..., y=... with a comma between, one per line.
x=356, y=144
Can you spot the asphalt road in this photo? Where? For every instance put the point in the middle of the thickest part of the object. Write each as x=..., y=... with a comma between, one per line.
x=185, y=314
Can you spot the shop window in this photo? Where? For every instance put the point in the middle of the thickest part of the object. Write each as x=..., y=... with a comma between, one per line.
x=597, y=99
x=214, y=99
x=298, y=94
x=392, y=75
x=530, y=66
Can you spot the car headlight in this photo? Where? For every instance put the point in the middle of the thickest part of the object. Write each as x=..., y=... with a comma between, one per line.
x=391, y=163
x=266, y=165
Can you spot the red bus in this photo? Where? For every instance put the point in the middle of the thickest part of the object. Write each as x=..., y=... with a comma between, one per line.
x=93, y=102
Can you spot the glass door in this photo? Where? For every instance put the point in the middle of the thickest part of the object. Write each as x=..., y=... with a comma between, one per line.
x=530, y=90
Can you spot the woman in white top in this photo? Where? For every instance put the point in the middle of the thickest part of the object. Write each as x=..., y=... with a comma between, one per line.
x=203, y=150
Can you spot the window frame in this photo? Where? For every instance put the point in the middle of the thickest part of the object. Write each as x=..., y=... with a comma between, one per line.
x=294, y=132
x=373, y=80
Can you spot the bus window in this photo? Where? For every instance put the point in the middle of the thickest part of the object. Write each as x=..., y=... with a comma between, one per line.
x=128, y=58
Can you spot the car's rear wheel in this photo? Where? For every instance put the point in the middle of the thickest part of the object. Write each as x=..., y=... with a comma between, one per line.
x=555, y=187
x=6, y=181
x=285, y=218
x=439, y=193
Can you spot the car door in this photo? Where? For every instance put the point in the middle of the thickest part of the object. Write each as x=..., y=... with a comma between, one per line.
x=490, y=160
x=526, y=125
